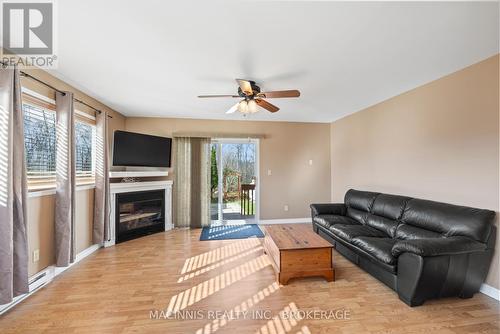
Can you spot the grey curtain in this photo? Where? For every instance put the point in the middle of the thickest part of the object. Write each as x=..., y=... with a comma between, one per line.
x=192, y=182
x=101, y=194
x=13, y=225
x=65, y=180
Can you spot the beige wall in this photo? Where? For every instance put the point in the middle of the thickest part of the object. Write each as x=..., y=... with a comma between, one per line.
x=41, y=232
x=439, y=141
x=285, y=150
x=41, y=227
x=41, y=209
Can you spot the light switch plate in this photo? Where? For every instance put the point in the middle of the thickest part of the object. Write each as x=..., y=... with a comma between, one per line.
x=269, y=172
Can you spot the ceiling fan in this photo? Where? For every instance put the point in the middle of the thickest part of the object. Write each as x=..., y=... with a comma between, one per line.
x=253, y=97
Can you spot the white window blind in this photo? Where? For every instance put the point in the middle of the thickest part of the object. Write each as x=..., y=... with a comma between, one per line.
x=85, y=139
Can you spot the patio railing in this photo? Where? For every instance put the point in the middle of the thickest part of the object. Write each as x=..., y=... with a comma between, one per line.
x=247, y=197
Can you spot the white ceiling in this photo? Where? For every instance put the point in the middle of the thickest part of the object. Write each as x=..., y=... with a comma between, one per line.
x=152, y=58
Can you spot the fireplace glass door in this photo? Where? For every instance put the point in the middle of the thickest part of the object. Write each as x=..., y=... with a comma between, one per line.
x=139, y=213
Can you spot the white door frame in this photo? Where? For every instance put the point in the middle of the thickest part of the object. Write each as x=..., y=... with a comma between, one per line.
x=220, y=171
x=256, y=141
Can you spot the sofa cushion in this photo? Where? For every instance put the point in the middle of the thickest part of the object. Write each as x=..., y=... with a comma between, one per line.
x=448, y=219
x=349, y=232
x=358, y=215
x=409, y=232
x=383, y=224
x=360, y=200
x=327, y=220
x=389, y=206
x=379, y=248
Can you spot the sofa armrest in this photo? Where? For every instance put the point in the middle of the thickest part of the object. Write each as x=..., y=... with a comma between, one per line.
x=328, y=209
x=437, y=246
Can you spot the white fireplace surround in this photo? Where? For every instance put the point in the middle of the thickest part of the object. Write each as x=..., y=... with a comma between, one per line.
x=128, y=187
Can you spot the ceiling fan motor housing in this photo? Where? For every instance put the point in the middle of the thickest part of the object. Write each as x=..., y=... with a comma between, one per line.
x=255, y=88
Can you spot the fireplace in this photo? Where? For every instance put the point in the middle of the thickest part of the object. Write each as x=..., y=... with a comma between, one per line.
x=138, y=214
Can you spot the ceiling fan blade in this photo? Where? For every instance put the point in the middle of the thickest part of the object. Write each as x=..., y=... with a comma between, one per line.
x=233, y=109
x=205, y=96
x=266, y=105
x=280, y=93
x=245, y=85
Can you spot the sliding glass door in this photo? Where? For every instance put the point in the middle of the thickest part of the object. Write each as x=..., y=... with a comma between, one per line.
x=234, y=181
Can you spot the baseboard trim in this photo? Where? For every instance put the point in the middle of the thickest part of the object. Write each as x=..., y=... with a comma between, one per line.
x=80, y=256
x=490, y=291
x=285, y=221
x=86, y=252
x=46, y=276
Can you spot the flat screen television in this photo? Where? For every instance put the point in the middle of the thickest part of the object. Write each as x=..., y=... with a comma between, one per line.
x=136, y=149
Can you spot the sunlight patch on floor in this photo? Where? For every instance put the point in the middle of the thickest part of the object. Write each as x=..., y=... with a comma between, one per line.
x=304, y=330
x=216, y=255
x=259, y=296
x=219, y=264
x=209, y=287
x=282, y=324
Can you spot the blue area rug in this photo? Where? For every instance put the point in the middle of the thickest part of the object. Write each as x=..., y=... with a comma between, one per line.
x=226, y=232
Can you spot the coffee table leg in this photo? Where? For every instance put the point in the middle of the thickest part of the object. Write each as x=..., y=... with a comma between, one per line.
x=283, y=279
x=329, y=275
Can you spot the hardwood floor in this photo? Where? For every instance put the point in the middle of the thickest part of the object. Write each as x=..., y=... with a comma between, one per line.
x=114, y=291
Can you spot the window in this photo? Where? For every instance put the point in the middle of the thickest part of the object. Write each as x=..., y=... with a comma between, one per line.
x=40, y=143
x=40, y=146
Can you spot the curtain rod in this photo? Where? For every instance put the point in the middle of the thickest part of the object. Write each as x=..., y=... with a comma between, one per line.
x=29, y=76
x=219, y=135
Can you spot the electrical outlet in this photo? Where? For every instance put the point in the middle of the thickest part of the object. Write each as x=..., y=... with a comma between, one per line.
x=36, y=255
x=269, y=172
x=285, y=207
x=310, y=162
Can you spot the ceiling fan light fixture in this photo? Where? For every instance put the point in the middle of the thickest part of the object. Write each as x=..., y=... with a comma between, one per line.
x=251, y=106
x=243, y=107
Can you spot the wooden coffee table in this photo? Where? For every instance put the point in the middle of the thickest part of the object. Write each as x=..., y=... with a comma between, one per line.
x=296, y=251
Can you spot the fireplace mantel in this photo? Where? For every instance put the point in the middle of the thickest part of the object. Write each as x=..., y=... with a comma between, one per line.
x=126, y=187
x=138, y=173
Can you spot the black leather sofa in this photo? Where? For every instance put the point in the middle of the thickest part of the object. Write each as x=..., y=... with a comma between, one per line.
x=421, y=249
